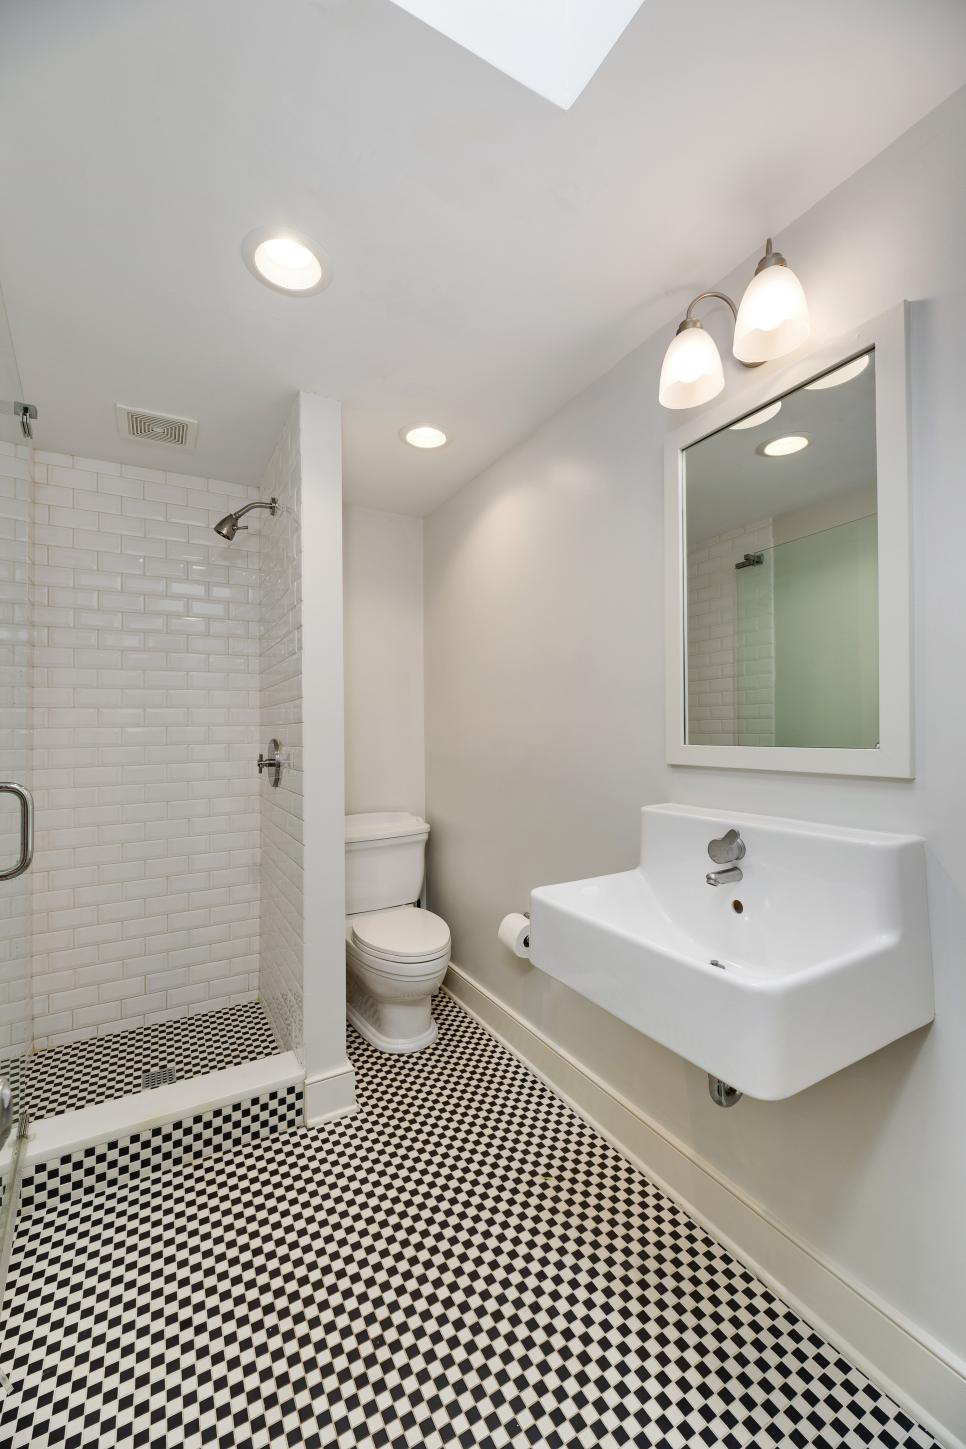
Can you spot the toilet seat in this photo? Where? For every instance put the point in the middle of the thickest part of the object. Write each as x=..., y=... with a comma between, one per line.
x=403, y=936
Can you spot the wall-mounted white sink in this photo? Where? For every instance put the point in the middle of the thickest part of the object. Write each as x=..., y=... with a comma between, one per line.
x=823, y=945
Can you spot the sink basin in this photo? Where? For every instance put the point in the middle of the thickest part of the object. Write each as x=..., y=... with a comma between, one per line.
x=822, y=949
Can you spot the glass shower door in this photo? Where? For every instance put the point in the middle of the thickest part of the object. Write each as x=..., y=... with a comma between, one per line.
x=16, y=819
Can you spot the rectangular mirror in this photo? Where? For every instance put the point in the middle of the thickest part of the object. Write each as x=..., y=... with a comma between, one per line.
x=784, y=615
x=780, y=516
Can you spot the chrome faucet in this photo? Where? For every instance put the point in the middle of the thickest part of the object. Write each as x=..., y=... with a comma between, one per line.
x=726, y=851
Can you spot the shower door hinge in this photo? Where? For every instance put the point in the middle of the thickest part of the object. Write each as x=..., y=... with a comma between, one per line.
x=26, y=412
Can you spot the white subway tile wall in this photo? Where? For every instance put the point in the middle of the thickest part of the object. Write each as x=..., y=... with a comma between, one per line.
x=15, y=474
x=730, y=649
x=755, y=648
x=280, y=682
x=145, y=892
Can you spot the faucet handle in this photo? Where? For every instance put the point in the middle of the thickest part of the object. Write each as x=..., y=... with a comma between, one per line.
x=272, y=761
x=730, y=847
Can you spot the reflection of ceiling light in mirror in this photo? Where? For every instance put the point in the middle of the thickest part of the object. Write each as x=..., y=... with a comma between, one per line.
x=781, y=447
x=754, y=420
x=840, y=375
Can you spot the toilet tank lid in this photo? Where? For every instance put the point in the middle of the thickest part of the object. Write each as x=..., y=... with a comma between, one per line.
x=383, y=825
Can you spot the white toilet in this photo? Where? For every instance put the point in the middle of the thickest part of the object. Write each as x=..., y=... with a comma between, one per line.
x=396, y=954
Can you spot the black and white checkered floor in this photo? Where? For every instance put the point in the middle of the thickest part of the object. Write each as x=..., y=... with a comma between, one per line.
x=104, y=1067
x=463, y=1262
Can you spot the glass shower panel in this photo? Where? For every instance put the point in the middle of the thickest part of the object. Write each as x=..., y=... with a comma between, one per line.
x=15, y=997
x=826, y=638
x=806, y=644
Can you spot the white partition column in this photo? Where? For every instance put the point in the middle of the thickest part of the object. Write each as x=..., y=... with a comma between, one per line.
x=329, y=1078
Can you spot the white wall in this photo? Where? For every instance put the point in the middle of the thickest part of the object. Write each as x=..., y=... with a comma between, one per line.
x=145, y=676
x=330, y=1083
x=545, y=713
x=385, y=745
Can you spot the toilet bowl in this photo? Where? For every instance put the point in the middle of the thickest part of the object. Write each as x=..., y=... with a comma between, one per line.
x=395, y=960
x=396, y=953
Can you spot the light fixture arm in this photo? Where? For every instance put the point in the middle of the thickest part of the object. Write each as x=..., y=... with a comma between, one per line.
x=690, y=321
x=771, y=258
x=721, y=296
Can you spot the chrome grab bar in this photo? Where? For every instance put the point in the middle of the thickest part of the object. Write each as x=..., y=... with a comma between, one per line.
x=10, y=787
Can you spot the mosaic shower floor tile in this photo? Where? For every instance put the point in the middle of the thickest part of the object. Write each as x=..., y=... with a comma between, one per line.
x=104, y=1067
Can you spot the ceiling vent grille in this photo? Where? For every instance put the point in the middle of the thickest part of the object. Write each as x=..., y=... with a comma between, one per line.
x=156, y=428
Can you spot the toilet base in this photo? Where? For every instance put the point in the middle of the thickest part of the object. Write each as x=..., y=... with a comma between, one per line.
x=387, y=1043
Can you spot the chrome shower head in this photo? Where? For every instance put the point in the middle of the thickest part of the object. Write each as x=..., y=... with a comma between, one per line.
x=228, y=526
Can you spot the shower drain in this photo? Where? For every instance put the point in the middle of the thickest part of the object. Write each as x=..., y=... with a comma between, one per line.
x=158, y=1077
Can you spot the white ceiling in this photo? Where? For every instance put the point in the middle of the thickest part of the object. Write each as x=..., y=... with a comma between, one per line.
x=492, y=253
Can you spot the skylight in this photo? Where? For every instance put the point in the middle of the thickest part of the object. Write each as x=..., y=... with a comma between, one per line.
x=552, y=47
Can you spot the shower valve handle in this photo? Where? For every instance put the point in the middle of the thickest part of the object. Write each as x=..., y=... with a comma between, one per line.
x=272, y=761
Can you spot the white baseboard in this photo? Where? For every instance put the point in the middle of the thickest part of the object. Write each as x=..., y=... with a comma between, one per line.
x=330, y=1095
x=919, y=1373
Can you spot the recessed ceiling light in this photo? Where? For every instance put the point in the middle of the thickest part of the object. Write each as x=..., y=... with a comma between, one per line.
x=840, y=375
x=781, y=447
x=424, y=436
x=754, y=420
x=287, y=261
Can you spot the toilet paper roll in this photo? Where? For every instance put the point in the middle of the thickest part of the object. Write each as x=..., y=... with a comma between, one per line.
x=514, y=932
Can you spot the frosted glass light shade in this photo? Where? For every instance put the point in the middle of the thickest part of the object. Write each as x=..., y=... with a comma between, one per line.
x=692, y=371
x=773, y=316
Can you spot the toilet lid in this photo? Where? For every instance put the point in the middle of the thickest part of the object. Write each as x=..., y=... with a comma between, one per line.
x=404, y=933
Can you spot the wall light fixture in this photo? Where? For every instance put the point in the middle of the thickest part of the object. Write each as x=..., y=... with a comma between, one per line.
x=770, y=322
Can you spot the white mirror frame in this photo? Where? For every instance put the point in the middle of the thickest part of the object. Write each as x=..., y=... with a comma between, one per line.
x=894, y=756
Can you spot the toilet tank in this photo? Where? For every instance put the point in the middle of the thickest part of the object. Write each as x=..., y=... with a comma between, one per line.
x=384, y=860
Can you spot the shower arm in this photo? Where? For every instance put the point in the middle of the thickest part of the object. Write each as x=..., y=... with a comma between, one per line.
x=272, y=507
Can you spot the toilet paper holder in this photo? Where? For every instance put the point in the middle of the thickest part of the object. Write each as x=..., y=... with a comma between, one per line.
x=514, y=932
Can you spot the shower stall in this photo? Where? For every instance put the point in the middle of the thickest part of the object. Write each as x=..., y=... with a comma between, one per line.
x=149, y=647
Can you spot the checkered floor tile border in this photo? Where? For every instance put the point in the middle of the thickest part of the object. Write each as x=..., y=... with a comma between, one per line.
x=102, y=1168
x=104, y=1067
x=463, y=1262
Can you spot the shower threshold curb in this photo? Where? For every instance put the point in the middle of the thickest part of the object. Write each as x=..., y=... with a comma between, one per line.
x=53, y=1137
